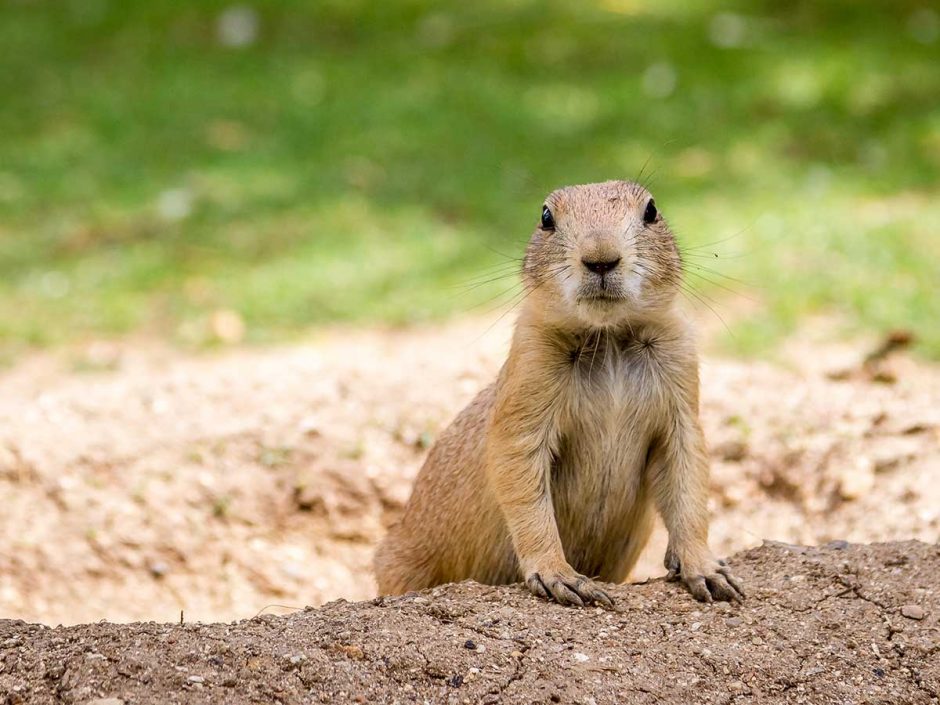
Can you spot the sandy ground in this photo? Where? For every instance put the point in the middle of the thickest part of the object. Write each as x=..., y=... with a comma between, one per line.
x=139, y=482
x=841, y=624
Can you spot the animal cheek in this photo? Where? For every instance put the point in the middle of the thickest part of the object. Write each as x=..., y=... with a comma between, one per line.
x=633, y=281
x=569, y=289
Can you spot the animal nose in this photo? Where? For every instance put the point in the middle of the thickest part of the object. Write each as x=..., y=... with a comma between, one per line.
x=600, y=266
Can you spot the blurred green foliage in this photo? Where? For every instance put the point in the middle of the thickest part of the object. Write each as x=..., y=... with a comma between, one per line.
x=305, y=162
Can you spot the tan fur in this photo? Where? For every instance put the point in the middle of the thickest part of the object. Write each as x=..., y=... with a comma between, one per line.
x=553, y=472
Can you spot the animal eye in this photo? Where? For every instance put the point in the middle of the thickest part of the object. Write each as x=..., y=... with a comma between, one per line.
x=649, y=215
x=548, y=220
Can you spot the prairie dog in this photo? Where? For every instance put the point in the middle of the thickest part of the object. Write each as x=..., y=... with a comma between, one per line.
x=552, y=474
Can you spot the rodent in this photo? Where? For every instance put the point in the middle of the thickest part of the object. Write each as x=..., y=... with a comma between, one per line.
x=552, y=473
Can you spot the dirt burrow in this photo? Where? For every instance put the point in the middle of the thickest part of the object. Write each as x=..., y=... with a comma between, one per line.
x=838, y=624
x=139, y=482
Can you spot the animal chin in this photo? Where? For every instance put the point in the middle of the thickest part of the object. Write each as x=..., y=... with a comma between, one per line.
x=602, y=308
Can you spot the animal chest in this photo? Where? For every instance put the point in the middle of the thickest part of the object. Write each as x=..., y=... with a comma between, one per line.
x=612, y=408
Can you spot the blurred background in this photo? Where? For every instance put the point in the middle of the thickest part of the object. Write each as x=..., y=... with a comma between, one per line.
x=337, y=193
x=208, y=170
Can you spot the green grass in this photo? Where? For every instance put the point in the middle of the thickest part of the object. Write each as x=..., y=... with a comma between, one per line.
x=360, y=160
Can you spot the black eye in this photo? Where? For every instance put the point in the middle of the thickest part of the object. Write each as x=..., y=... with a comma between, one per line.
x=649, y=215
x=548, y=221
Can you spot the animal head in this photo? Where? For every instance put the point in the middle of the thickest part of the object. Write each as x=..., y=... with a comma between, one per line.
x=602, y=255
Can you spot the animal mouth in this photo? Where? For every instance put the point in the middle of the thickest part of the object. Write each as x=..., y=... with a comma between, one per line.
x=602, y=297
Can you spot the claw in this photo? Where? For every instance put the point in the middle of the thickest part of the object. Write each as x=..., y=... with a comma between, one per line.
x=566, y=595
x=537, y=587
x=711, y=582
x=575, y=589
x=721, y=589
x=699, y=588
x=602, y=597
x=735, y=583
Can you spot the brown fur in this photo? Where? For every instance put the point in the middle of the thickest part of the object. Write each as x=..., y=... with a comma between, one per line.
x=553, y=472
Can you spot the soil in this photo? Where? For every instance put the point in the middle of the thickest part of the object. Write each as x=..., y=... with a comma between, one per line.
x=139, y=482
x=838, y=624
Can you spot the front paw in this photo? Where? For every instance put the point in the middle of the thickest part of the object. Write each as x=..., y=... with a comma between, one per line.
x=708, y=580
x=567, y=587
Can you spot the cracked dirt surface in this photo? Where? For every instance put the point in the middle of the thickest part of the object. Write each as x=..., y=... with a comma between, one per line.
x=138, y=482
x=843, y=623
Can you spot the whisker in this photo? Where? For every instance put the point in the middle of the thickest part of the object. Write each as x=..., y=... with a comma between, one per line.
x=687, y=291
x=643, y=168
x=489, y=271
x=738, y=234
x=650, y=180
x=594, y=353
x=514, y=264
x=513, y=291
x=742, y=282
x=470, y=286
x=714, y=255
x=525, y=293
x=721, y=286
x=702, y=293
x=514, y=258
x=502, y=265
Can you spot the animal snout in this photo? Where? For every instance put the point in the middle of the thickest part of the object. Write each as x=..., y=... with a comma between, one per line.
x=600, y=266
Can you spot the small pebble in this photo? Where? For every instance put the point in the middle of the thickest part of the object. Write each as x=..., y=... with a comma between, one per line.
x=468, y=644
x=913, y=611
x=196, y=679
x=352, y=651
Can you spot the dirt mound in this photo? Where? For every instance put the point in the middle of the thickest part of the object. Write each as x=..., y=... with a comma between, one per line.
x=838, y=624
x=138, y=482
